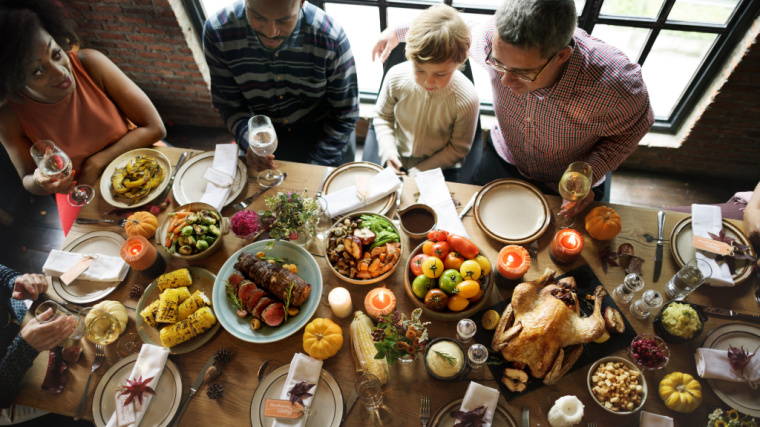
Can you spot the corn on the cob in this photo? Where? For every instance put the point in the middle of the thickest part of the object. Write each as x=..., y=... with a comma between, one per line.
x=196, y=301
x=177, y=333
x=168, y=304
x=364, y=348
x=183, y=294
x=175, y=279
x=202, y=320
x=149, y=313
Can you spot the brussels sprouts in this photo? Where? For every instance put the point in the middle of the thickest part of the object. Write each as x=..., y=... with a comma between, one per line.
x=216, y=216
x=200, y=229
x=208, y=220
x=202, y=245
x=186, y=250
x=182, y=241
x=210, y=239
x=191, y=219
x=187, y=230
x=214, y=230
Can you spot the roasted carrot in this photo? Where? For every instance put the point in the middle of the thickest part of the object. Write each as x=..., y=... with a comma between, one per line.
x=172, y=224
x=179, y=227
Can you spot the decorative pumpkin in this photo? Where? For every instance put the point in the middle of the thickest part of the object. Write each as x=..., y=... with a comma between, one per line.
x=322, y=338
x=141, y=224
x=603, y=223
x=379, y=302
x=115, y=309
x=681, y=392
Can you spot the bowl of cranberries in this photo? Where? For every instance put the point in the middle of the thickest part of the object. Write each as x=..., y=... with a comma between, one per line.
x=649, y=352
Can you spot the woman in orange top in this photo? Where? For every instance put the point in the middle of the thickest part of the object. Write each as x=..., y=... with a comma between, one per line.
x=77, y=98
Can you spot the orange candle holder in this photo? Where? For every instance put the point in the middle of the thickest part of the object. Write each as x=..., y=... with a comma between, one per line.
x=566, y=246
x=513, y=262
x=142, y=256
x=379, y=302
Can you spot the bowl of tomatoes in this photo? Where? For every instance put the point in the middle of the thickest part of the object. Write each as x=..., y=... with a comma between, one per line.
x=448, y=277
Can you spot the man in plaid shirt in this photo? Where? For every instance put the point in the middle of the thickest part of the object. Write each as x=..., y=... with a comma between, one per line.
x=560, y=96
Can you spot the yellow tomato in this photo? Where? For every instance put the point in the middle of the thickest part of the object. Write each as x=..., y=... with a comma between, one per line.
x=432, y=267
x=457, y=303
x=470, y=270
x=477, y=297
x=468, y=289
x=485, y=264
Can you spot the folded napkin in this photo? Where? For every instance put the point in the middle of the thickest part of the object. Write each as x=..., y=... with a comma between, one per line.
x=225, y=163
x=479, y=395
x=649, y=419
x=150, y=363
x=712, y=363
x=435, y=193
x=104, y=268
x=704, y=219
x=302, y=368
x=347, y=200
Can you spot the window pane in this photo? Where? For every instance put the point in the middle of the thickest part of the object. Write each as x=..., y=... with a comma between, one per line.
x=401, y=16
x=671, y=65
x=212, y=6
x=482, y=3
x=629, y=40
x=362, y=25
x=479, y=74
x=579, y=5
x=712, y=11
x=638, y=8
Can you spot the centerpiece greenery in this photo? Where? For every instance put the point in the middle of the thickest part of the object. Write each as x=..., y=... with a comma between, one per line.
x=398, y=337
x=730, y=418
x=289, y=215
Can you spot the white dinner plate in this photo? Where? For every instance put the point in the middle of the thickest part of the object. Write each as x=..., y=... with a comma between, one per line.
x=345, y=176
x=84, y=291
x=189, y=185
x=162, y=407
x=327, y=404
x=105, y=180
x=682, y=246
x=735, y=394
x=203, y=280
x=501, y=417
x=511, y=211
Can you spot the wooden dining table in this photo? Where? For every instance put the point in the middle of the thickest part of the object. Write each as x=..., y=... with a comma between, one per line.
x=408, y=381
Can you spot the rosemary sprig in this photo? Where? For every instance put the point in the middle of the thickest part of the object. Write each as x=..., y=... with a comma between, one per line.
x=233, y=296
x=446, y=356
x=287, y=300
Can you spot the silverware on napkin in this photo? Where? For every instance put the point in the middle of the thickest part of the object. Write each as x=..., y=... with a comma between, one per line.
x=193, y=389
x=658, y=251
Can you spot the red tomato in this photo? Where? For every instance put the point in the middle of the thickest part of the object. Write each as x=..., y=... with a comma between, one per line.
x=438, y=235
x=453, y=260
x=441, y=249
x=464, y=246
x=427, y=248
x=416, y=264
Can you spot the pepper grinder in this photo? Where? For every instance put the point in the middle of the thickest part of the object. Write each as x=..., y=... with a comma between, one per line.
x=632, y=283
x=648, y=302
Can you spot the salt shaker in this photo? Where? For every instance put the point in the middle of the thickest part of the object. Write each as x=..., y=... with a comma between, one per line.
x=648, y=302
x=466, y=330
x=477, y=355
x=632, y=283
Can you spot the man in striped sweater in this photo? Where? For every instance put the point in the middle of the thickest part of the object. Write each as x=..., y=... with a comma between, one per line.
x=288, y=60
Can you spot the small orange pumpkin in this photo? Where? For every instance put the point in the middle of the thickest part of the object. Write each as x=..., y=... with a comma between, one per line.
x=141, y=224
x=603, y=223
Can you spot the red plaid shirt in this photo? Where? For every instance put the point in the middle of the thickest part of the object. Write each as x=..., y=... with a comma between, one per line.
x=597, y=112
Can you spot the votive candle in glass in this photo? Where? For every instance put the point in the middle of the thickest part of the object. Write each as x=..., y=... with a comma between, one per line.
x=513, y=262
x=340, y=302
x=566, y=246
x=379, y=302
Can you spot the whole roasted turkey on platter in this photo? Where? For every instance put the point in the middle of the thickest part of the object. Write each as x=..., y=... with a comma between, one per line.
x=542, y=327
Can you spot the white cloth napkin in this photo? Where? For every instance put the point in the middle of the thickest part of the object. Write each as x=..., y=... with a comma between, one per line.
x=712, y=363
x=346, y=200
x=225, y=161
x=479, y=395
x=104, y=268
x=435, y=193
x=150, y=363
x=649, y=419
x=302, y=368
x=704, y=219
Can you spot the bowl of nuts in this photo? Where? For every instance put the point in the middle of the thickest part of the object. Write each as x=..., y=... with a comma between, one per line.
x=649, y=352
x=363, y=248
x=617, y=385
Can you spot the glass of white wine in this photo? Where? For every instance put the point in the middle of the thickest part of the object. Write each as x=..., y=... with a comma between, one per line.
x=54, y=163
x=100, y=326
x=262, y=140
x=575, y=183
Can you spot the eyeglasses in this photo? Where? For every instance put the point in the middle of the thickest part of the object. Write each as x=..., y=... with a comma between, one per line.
x=499, y=68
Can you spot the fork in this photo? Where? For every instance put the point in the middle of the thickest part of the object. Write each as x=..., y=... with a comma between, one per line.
x=99, y=355
x=533, y=252
x=425, y=411
x=117, y=222
x=592, y=424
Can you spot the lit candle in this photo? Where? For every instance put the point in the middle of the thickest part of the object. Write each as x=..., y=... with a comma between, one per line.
x=138, y=253
x=379, y=302
x=566, y=246
x=340, y=302
x=513, y=262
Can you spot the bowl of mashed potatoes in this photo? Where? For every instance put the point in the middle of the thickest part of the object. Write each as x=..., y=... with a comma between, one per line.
x=445, y=359
x=679, y=321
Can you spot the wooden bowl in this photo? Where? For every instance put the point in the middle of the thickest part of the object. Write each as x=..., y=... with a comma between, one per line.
x=471, y=309
x=224, y=226
x=379, y=278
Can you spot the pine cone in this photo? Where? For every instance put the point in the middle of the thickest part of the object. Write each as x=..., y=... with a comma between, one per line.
x=136, y=292
x=215, y=391
x=223, y=356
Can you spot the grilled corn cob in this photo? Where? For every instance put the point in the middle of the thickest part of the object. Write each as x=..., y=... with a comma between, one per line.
x=196, y=301
x=202, y=320
x=364, y=348
x=168, y=306
x=183, y=294
x=175, y=279
x=177, y=333
x=149, y=313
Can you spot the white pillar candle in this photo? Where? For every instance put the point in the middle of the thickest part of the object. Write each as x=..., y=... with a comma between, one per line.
x=340, y=302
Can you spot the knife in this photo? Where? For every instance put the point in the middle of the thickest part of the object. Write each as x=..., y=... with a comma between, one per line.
x=67, y=305
x=193, y=389
x=160, y=199
x=468, y=206
x=525, y=418
x=349, y=404
x=658, y=251
x=322, y=184
x=244, y=204
x=725, y=312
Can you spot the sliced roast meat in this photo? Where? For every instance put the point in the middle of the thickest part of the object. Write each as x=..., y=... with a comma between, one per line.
x=246, y=287
x=274, y=314
x=274, y=279
x=255, y=297
x=263, y=303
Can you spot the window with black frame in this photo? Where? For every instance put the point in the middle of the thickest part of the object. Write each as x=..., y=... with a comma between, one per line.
x=680, y=44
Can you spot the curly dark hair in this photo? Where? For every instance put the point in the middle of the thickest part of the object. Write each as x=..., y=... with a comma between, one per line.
x=20, y=21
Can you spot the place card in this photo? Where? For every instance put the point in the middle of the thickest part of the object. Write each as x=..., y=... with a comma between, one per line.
x=277, y=408
x=363, y=188
x=78, y=268
x=217, y=177
x=125, y=414
x=713, y=246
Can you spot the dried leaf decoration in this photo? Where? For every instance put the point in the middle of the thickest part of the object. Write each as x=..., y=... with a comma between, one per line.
x=738, y=357
x=136, y=389
x=740, y=251
x=299, y=392
x=606, y=256
x=624, y=256
x=472, y=418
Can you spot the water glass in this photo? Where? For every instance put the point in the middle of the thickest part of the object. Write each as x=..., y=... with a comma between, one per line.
x=42, y=316
x=466, y=330
x=129, y=343
x=477, y=355
x=691, y=276
x=370, y=391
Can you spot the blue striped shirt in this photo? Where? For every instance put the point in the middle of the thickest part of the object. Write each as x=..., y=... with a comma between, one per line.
x=310, y=79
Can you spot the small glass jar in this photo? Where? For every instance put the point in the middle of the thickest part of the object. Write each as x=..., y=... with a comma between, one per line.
x=477, y=355
x=466, y=329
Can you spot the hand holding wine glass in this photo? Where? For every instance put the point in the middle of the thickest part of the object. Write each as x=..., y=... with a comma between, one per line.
x=262, y=142
x=55, y=169
x=575, y=188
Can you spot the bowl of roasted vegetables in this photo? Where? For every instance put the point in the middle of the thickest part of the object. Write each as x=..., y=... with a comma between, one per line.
x=363, y=248
x=193, y=231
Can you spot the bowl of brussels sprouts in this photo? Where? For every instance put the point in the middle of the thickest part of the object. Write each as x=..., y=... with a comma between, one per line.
x=193, y=231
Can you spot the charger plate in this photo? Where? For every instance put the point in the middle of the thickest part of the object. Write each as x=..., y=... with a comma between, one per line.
x=189, y=185
x=345, y=176
x=511, y=211
x=501, y=417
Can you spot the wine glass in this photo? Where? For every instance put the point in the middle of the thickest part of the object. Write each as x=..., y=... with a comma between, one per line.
x=54, y=163
x=322, y=223
x=100, y=326
x=262, y=140
x=129, y=343
x=576, y=182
